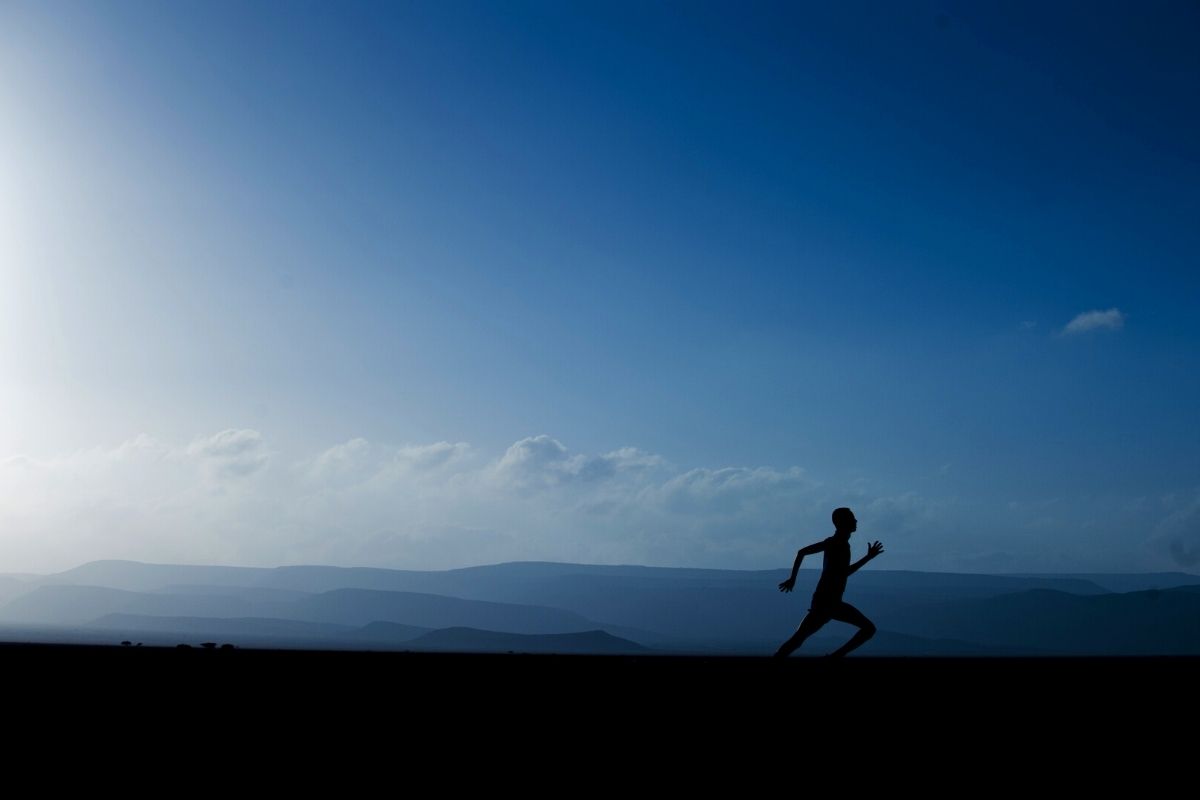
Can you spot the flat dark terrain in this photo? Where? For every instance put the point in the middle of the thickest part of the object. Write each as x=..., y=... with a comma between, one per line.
x=623, y=690
x=353, y=722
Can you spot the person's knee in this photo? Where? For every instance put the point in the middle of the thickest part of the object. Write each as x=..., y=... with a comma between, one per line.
x=869, y=628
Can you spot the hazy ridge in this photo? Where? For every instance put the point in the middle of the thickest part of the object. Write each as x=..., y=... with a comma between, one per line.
x=552, y=607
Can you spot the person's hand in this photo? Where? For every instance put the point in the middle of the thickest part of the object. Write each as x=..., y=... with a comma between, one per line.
x=874, y=549
x=787, y=585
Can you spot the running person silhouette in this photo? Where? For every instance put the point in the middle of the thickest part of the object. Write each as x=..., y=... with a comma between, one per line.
x=827, y=600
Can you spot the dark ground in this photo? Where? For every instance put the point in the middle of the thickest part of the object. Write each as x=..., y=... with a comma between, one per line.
x=404, y=716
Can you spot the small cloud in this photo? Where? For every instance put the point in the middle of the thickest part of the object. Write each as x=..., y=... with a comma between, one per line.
x=341, y=461
x=226, y=444
x=731, y=489
x=534, y=456
x=1027, y=325
x=18, y=462
x=432, y=456
x=1179, y=533
x=1184, y=555
x=235, y=453
x=1112, y=319
x=544, y=461
x=360, y=462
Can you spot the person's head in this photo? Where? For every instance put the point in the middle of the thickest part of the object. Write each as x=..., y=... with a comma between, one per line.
x=844, y=521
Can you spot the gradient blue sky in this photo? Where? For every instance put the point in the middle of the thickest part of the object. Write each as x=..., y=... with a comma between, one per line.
x=431, y=284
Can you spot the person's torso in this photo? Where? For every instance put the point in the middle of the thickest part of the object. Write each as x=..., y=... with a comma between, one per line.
x=836, y=568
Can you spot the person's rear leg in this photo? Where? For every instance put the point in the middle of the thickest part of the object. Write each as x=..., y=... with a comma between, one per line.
x=866, y=629
x=811, y=623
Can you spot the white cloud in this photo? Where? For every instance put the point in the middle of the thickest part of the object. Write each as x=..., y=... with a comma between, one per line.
x=1112, y=319
x=432, y=456
x=347, y=460
x=226, y=444
x=230, y=453
x=730, y=490
x=537, y=460
x=359, y=461
x=542, y=461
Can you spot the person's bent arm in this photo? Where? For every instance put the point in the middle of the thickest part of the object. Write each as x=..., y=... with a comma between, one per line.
x=812, y=549
x=872, y=551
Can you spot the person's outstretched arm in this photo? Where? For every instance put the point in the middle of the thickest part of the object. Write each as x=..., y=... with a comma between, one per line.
x=812, y=549
x=872, y=551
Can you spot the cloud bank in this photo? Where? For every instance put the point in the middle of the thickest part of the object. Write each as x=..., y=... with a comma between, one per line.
x=229, y=498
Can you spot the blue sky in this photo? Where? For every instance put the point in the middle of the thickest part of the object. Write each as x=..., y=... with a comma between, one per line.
x=657, y=283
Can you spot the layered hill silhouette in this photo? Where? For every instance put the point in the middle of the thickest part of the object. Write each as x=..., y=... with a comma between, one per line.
x=1153, y=622
x=376, y=635
x=663, y=609
x=246, y=631
x=472, y=640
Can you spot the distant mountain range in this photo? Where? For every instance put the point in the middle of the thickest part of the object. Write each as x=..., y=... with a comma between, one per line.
x=574, y=608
